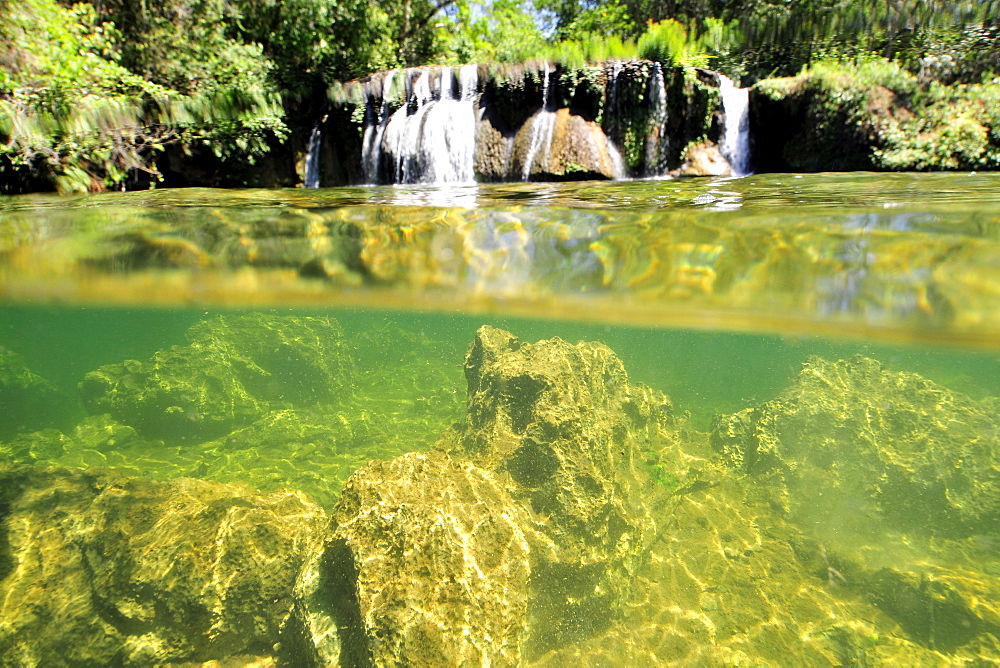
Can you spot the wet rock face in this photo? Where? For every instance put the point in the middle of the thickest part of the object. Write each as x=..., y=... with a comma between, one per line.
x=427, y=563
x=562, y=423
x=231, y=372
x=102, y=569
x=851, y=438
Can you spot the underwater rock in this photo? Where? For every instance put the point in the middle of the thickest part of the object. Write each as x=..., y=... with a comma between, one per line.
x=101, y=569
x=947, y=609
x=427, y=563
x=94, y=436
x=854, y=442
x=29, y=401
x=233, y=370
x=563, y=425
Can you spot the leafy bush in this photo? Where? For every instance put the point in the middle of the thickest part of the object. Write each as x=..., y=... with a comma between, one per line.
x=76, y=118
x=869, y=112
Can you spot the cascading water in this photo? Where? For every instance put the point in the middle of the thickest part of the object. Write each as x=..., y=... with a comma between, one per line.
x=541, y=130
x=312, y=156
x=736, y=136
x=375, y=122
x=431, y=138
x=657, y=141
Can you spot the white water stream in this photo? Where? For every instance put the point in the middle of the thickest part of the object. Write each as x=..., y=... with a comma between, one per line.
x=736, y=136
x=657, y=141
x=375, y=122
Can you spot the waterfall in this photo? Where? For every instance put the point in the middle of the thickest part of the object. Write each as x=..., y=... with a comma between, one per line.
x=541, y=130
x=375, y=122
x=657, y=141
x=312, y=157
x=431, y=138
x=736, y=136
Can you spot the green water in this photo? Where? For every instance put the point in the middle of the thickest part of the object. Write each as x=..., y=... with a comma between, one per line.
x=716, y=293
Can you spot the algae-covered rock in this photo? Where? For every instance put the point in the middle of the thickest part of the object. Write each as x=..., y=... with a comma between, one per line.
x=427, y=563
x=101, y=569
x=233, y=370
x=853, y=440
x=527, y=536
x=27, y=401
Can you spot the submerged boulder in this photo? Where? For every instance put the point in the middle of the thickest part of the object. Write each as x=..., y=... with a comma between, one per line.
x=234, y=369
x=29, y=401
x=524, y=537
x=853, y=441
x=102, y=569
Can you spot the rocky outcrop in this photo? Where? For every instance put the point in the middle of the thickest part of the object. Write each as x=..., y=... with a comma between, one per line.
x=526, y=537
x=871, y=114
x=704, y=159
x=232, y=371
x=563, y=424
x=898, y=477
x=102, y=569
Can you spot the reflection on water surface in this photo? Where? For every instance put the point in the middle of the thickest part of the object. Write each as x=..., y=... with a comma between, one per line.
x=901, y=256
x=528, y=424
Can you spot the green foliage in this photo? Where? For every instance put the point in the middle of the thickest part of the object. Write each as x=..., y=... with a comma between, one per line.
x=672, y=43
x=610, y=18
x=873, y=105
x=588, y=48
x=779, y=37
x=69, y=112
x=506, y=34
x=669, y=42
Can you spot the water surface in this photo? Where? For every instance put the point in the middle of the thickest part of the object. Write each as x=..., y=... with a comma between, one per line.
x=803, y=329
